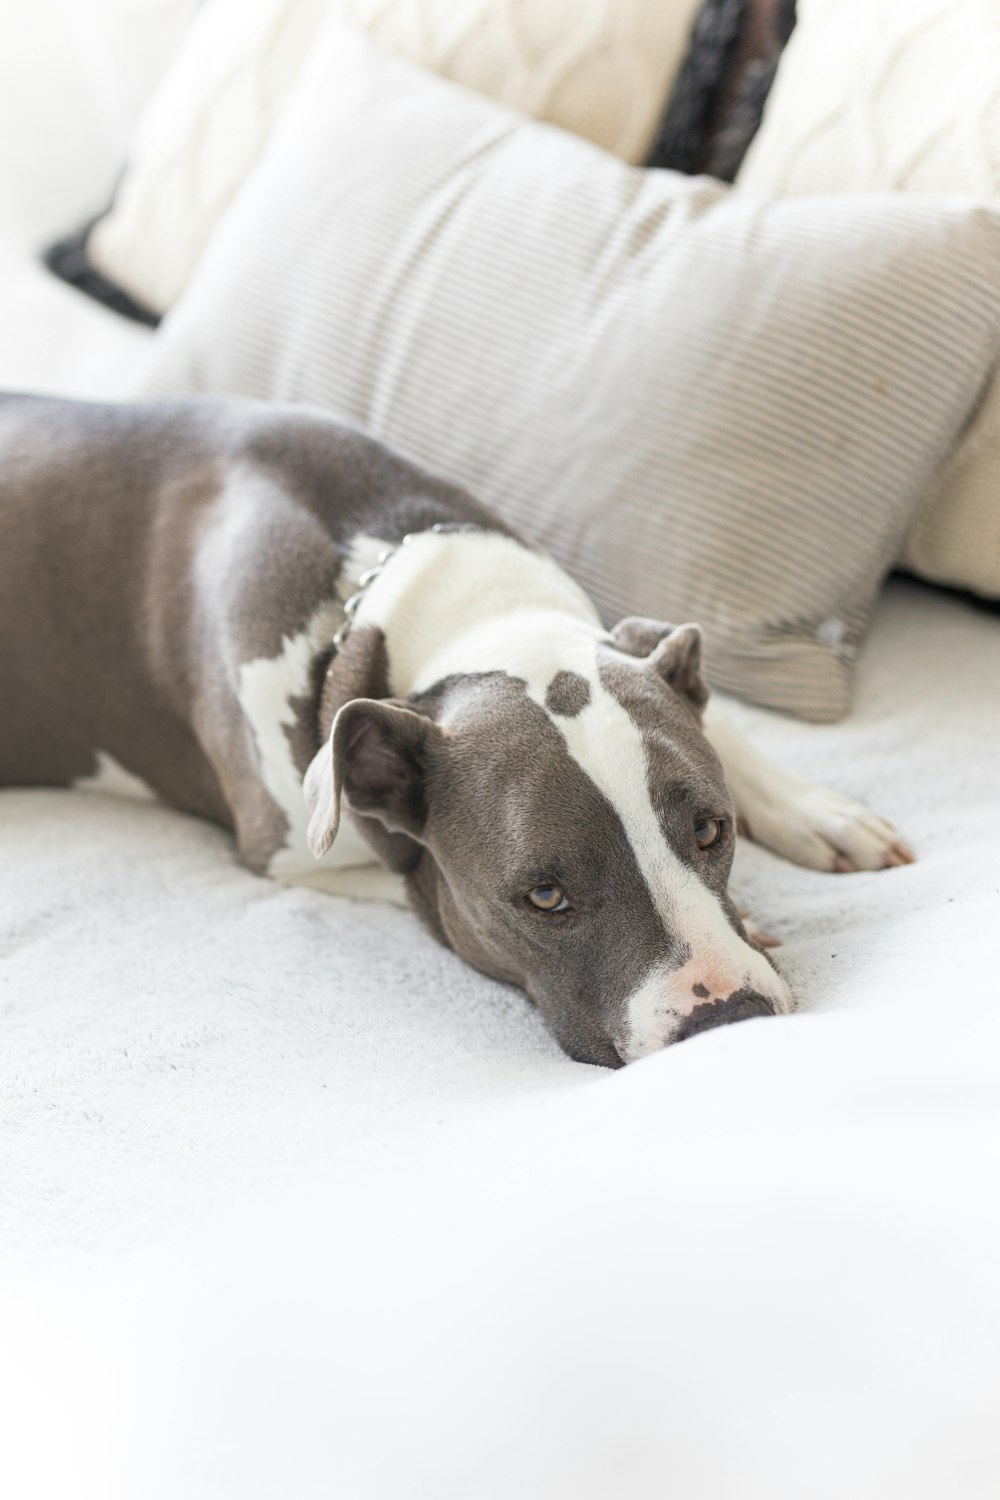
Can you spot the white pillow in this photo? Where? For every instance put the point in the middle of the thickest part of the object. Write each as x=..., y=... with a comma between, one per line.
x=706, y=405
x=904, y=95
x=598, y=67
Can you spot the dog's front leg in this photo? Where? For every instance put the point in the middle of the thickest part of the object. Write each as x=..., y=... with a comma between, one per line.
x=809, y=824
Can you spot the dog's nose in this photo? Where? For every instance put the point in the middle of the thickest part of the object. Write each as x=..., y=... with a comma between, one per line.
x=741, y=1006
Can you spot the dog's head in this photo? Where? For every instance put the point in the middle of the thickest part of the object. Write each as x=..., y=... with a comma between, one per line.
x=573, y=835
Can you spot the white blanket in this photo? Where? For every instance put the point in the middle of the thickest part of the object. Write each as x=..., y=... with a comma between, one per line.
x=295, y=1204
x=53, y=339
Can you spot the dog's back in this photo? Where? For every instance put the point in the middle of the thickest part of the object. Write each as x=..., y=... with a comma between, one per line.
x=76, y=510
x=147, y=550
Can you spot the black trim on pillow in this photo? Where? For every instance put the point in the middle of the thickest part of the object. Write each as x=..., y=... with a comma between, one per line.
x=681, y=136
x=68, y=260
x=715, y=108
x=988, y=604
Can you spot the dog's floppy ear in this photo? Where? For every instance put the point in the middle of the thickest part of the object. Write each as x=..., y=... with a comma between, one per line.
x=674, y=651
x=378, y=756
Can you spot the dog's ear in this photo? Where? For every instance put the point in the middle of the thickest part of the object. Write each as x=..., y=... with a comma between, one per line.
x=638, y=636
x=678, y=661
x=378, y=756
x=674, y=651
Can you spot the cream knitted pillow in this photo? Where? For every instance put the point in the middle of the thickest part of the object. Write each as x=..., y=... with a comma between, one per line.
x=705, y=405
x=875, y=95
x=602, y=68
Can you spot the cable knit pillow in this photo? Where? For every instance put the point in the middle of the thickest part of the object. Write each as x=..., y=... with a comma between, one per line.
x=707, y=406
x=601, y=68
x=904, y=95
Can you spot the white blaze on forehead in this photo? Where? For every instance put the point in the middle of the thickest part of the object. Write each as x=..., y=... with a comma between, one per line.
x=607, y=742
x=609, y=745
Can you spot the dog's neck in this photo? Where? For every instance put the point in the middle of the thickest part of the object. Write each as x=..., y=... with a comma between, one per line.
x=464, y=601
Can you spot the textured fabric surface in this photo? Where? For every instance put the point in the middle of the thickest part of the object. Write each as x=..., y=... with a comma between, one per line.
x=873, y=95
x=599, y=67
x=705, y=406
x=497, y=1268
x=56, y=341
x=280, y=1176
x=69, y=259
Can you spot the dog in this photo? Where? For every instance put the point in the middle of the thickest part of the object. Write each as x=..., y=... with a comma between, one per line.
x=262, y=616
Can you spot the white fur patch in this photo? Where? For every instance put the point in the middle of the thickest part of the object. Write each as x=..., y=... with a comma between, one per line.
x=812, y=825
x=362, y=555
x=266, y=689
x=435, y=568
x=445, y=597
x=112, y=779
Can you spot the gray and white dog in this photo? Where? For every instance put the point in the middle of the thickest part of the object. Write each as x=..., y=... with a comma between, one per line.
x=557, y=800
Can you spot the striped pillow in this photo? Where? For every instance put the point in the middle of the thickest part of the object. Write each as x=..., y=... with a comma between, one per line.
x=706, y=405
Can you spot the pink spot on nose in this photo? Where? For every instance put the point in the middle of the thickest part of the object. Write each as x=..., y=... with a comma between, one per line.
x=716, y=984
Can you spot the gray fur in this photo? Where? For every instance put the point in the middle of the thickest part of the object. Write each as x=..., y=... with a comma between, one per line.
x=148, y=552
x=497, y=806
x=107, y=514
x=568, y=694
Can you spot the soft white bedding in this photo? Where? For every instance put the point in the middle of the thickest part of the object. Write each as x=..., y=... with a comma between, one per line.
x=330, y=1214
x=54, y=339
x=293, y=1204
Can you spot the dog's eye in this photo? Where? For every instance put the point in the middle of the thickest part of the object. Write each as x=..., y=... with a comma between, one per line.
x=707, y=831
x=548, y=898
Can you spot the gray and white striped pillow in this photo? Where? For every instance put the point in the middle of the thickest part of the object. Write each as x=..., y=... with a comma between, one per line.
x=707, y=406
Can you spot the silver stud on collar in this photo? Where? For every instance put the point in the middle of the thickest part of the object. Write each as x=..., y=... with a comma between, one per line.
x=367, y=579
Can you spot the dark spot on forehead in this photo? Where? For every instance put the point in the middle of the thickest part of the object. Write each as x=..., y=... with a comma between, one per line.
x=568, y=694
x=700, y=991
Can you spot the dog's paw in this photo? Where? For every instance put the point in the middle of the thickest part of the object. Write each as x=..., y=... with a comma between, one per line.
x=824, y=830
x=755, y=933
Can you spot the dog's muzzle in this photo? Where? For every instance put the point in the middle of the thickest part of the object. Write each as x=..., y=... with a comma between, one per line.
x=743, y=1006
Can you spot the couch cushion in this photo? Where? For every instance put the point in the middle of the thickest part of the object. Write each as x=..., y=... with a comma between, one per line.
x=873, y=95
x=706, y=406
